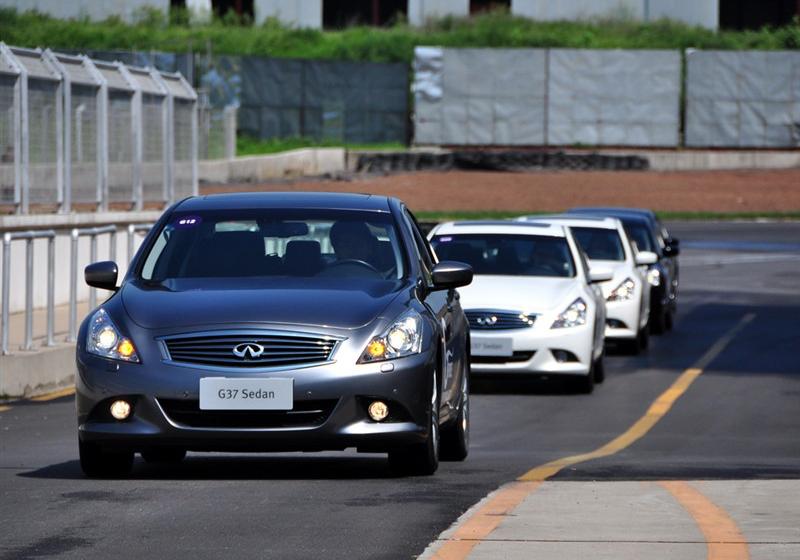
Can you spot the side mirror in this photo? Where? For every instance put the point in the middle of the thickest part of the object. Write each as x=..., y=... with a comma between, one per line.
x=451, y=274
x=102, y=275
x=600, y=274
x=646, y=258
x=672, y=248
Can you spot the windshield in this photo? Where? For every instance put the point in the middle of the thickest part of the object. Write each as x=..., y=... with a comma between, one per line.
x=599, y=244
x=270, y=243
x=514, y=255
x=640, y=234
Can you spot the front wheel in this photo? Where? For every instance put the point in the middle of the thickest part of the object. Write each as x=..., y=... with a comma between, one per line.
x=658, y=320
x=97, y=462
x=599, y=370
x=455, y=438
x=422, y=458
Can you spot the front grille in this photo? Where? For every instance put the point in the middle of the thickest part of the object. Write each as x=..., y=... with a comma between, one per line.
x=250, y=349
x=305, y=414
x=495, y=319
x=515, y=358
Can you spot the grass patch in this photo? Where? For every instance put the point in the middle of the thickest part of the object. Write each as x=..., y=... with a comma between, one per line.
x=154, y=31
x=248, y=146
x=667, y=215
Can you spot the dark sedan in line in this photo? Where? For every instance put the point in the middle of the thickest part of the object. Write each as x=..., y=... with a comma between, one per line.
x=276, y=322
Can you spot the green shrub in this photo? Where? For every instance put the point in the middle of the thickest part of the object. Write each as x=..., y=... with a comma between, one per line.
x=248, y=146
x=231, y=35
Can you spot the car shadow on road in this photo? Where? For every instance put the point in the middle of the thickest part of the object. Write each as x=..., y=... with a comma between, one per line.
x=241, y=467
x=528, y=385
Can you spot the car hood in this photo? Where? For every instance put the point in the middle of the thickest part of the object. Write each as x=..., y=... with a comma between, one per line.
x=529, y=294
x=335, y=303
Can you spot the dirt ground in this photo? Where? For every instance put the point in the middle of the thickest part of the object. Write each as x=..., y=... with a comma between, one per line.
x=713, y=191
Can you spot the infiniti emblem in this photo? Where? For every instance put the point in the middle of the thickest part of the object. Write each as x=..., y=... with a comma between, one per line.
x=248, y=350
x=487, y=321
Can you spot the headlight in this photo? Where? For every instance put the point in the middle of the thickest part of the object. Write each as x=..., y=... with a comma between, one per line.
x=104, y=339
x=402, y=338
x=623, y=292
x=572, y=316
x=654, y=277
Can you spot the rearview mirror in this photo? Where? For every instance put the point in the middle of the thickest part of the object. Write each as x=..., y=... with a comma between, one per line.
x=451, y=274
x=102, y=275
x=646, y=258
x=600, y=274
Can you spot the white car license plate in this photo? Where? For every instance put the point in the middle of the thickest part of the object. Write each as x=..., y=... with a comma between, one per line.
x=490, y=346
x=221, y=393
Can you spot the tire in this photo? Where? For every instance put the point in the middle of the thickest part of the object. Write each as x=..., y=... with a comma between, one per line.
x=164, y=455
x=643, y=340
x=421, y=459
x=97, y=462
x=455, y=437
x=599, y=370
x=669, y=320
x=584, y=384
x=658, y=320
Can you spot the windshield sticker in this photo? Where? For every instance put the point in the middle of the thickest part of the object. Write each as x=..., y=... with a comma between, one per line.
x=444, y=239
x=187, y=222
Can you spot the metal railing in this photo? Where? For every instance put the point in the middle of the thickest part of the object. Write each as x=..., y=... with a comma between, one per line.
x=75, y=235
x=28, y=236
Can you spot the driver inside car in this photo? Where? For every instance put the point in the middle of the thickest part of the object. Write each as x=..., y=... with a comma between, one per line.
x=353, y=241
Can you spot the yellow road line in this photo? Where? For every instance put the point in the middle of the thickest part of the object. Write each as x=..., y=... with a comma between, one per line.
x=485, y=519
x=654, y=413
x=723, y=537
x=3, y=408
x=54, y=395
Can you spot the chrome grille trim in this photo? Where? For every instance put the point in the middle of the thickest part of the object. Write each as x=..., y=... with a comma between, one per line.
x=283, y=350
x=501, y=319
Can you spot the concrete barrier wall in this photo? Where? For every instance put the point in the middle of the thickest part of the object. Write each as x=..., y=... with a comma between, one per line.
x=294, y=163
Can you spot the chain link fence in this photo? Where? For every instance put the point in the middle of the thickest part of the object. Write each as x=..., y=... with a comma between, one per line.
x=77, y=133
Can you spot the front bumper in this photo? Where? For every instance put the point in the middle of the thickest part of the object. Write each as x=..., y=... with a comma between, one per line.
x=159, y=388
x=623, y=319
x=544, y=344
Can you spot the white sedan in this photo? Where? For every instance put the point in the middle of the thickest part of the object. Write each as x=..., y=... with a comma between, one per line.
x=627, y=294
x=533, y=306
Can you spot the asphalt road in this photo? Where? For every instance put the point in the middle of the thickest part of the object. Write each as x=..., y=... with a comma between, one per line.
x=739, y=420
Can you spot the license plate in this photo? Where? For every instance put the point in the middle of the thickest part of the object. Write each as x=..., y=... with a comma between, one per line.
x=490, y=346
x=221, y=393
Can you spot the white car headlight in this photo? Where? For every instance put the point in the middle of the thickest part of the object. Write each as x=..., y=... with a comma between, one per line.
x=104, y=339
x=654, y=277
x=574, y=315
x=623, y=292
x=402, y=338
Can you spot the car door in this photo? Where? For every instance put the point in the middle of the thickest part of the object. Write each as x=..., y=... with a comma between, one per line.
x=446, y=308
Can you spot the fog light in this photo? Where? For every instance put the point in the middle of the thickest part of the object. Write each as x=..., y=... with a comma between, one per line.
x=378, y=411
x=120, y=409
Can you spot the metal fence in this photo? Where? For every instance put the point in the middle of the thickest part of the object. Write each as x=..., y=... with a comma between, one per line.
x=78, y=133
